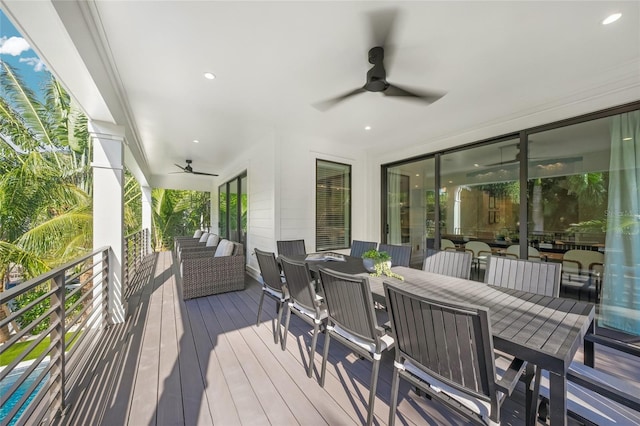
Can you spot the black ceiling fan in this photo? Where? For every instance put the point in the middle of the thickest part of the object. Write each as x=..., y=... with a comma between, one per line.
x=382, y=23
x=189, y=169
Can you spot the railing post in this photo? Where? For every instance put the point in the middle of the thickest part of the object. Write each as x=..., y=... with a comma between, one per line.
x=57, y=392
x=125, y=257
x=105, y=287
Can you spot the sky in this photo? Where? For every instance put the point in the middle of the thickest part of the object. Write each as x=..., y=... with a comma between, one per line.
x=16, y=51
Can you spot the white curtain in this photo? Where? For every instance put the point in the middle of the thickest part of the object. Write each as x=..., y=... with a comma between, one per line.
x=621, y=283
x=393, y=207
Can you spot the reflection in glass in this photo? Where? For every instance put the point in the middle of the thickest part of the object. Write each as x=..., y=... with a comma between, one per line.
x=480, y=195
x=411, y=206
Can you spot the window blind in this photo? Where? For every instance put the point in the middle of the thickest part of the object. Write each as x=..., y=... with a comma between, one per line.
x=333, y=205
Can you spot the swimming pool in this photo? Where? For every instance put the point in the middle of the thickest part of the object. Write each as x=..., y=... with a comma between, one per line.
x=8, y=381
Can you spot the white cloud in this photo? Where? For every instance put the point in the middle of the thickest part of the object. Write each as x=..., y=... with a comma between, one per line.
x=13, y=46
x=36, y=63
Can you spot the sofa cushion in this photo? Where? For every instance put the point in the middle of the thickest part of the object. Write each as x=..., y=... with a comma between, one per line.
x=198, y=233
x=213, y=240
x=225, y=248
x=203, y=237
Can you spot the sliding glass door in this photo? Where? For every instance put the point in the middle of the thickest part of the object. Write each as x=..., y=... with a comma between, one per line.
x=232, y=209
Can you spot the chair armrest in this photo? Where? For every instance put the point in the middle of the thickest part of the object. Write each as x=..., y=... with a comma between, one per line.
x=613, y=387
x=578, y=266
x=511, y=376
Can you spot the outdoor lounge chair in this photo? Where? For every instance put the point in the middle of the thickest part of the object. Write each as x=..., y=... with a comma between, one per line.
x=205, y=273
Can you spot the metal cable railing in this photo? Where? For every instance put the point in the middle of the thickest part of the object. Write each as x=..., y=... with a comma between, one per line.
x=137, y=246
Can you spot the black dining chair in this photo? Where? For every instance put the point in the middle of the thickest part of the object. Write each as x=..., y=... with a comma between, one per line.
x=447, y=262
x=352, y=322
x=446, y=350
x=273, y=286
x=400, y=255
x=291, y=247
x=303, y=302
x=358, y=248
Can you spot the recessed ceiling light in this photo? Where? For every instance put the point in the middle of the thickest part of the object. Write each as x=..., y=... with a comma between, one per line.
x=416, y=186
x=627, y=139
x=196, y=141
x=417, y=174
x=611, y=18
x=450, y=181
x=476, y=165
x=367, y=127
x=209, y=76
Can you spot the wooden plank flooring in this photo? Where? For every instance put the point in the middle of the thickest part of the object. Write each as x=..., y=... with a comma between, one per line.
x=204, y=361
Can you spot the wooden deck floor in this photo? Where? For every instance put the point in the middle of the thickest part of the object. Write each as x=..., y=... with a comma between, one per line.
x=204, y=361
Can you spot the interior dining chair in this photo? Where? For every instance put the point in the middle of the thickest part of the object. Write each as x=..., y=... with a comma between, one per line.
x=446, y=244
x=352, y=322
x=533, y=277
x=359, y=247
x=303, y=302
x=513, y=251
x=400, y=255
x=291, y=247
x=481, y=251
x=273, y=286
x=582, y=271
x=447, y=262
x=458, y=367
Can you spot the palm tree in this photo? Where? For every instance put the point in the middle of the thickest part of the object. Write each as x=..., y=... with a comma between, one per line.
x=45, y=182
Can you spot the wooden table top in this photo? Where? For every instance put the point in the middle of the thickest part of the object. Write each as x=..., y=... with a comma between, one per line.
x=544, y=330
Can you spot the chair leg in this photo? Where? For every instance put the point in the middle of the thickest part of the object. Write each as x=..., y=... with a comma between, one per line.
x=532, y=398
x=260, y=309
x=286, y=330
x=395, y=383
x=372, y=389
x=279, y=308
x=312, y=350
x=325, y=355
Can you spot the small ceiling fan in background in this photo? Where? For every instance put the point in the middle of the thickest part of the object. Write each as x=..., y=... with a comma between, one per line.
x=382, y=23
x=509, y=160
x=516, y=158
x=189, y=169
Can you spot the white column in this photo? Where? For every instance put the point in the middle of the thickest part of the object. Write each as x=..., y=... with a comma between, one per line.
x=108, y=207
x=146, y=211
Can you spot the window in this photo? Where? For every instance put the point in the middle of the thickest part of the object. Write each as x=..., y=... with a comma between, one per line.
x=333, y=205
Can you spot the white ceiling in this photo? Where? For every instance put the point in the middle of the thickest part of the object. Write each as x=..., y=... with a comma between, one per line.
x=504, y=66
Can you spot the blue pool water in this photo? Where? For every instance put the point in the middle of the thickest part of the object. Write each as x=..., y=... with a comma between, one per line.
x=8, y=381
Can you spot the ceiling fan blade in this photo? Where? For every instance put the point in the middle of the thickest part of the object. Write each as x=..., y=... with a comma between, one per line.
x=383, y=23
x=430, y=97
x=180, y=167
x=204, y=174
x=325, y=105
x=503, y=163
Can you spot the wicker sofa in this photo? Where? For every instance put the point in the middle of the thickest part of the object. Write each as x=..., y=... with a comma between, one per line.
x=203, y=274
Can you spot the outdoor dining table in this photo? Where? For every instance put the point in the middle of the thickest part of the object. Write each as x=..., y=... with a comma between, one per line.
x=545, y=331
